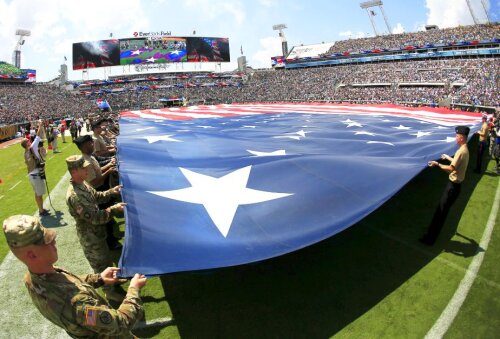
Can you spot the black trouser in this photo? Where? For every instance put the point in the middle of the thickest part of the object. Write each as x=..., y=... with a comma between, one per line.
x=449, y=196
x=480, y=153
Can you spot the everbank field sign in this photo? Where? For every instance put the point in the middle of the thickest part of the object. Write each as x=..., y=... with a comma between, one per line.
x=149, y=34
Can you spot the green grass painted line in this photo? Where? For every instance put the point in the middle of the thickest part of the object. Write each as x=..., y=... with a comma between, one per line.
x=450, y=312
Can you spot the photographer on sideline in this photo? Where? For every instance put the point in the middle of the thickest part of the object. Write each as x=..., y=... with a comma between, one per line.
x=34, y=154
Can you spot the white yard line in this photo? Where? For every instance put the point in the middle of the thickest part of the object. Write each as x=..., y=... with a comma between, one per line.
x=450, y=312
x=17, y=183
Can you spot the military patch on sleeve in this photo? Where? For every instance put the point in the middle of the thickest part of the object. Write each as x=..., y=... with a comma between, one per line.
x=91, y=316
x=105, y=317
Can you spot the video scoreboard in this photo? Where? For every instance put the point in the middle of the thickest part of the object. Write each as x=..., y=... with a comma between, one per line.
x=149, y=50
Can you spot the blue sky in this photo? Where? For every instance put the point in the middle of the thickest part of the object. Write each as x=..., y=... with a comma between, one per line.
x=56, y=24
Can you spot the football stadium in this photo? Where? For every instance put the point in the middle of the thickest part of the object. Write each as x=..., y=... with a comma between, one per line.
x=349, y=190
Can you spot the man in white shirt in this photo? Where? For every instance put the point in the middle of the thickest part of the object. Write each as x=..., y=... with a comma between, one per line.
x=34, y=155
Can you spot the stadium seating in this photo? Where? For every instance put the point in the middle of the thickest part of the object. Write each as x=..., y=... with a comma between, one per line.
x=432, y=81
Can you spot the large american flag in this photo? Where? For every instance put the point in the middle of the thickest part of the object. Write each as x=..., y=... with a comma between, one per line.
x=214, y=186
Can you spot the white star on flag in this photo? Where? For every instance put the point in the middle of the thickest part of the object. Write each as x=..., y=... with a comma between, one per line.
x=153, y=138
x=136, y=52
x=267, y=154
x=220, y=196
x=401, y=127
x=354, y=124
x=152, y=59
x=420, y=134
x=176, y=52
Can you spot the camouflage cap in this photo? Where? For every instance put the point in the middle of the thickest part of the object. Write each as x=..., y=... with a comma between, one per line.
x=25, y=230
x=76, y=161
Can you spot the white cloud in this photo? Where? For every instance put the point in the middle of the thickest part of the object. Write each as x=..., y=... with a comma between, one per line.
x=398, y=29
x=53, y=21
x=451, y=13
x=269, y=47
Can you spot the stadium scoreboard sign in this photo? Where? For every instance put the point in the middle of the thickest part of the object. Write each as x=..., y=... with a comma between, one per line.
x=150, y=49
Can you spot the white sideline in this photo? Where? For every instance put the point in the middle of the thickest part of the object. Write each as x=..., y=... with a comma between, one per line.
x=450, y=312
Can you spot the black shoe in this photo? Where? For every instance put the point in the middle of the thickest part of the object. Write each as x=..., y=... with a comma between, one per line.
x=44, y=213
x=426, y=241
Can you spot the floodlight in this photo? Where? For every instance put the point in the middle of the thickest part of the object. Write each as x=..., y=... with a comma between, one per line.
x=279, y=27
x=23, y=32
x=372, y=3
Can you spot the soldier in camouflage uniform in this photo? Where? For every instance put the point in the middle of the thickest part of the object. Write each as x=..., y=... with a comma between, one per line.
x=82, y=201
x=69, y=301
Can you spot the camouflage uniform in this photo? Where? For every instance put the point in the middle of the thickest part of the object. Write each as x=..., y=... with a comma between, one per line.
x=82, y=201
x=71, y=302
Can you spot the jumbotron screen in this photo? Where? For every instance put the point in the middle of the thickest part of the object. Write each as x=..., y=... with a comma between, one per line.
x=164, y=49
x=143, y=50
x=92, y=54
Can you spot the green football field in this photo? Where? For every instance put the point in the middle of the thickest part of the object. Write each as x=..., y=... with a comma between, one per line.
x=374, y=280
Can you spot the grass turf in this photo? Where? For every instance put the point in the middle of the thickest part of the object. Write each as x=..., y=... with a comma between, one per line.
x=372, y=280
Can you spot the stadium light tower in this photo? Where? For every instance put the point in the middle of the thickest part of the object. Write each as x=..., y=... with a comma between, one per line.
x=16, y=55
x=284, y=43
x=472, y=12
x=375, y=3
x=486, y=11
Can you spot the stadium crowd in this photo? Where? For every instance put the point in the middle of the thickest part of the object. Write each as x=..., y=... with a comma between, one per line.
x=472, y=82
x=32, y=102
x=466, y=81
x=485, y=32
x=428, y=82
